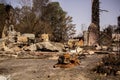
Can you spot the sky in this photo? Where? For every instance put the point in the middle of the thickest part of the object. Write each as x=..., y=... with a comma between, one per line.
x=17, y=3
x=80, y=10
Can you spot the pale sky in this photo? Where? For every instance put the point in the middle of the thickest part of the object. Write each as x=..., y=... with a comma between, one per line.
x=80, y=10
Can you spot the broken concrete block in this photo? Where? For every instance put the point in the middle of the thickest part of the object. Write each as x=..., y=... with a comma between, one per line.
x=97, y=47
x=30, y=48
x=78, y=49
x=22, y=39
x=16, y=49
x=118, y=72
x=116, y=48
x=91, y=52
x=72, y=50
x=59, y=46
x=49, y=46
x=29, y=35
x=45, y=37
x=7, y=49
x=104, y=47
x=39, y=46
x=3, y=78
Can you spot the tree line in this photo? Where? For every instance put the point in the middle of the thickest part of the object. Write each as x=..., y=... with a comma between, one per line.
x=42, y=17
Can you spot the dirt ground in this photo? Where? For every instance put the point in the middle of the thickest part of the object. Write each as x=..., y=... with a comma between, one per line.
x=42, y=69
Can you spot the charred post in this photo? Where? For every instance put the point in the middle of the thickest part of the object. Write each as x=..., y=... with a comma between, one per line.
x=95, y=13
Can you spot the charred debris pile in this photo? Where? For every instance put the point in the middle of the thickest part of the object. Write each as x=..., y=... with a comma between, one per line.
x=110, y=65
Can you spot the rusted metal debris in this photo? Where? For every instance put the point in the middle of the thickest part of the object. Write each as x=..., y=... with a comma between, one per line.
x=67, y=61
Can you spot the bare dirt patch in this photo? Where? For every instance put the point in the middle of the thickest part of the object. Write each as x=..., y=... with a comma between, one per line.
x=42, y=69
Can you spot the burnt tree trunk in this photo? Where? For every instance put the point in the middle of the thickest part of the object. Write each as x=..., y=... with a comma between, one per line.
x=9, y=19
x=95, y=13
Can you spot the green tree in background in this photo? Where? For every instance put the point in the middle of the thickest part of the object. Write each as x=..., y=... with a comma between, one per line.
x=29, y=18
x=60, y=23
x=43, y=17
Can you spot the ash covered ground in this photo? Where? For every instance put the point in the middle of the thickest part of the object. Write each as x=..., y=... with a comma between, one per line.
x=42, y=69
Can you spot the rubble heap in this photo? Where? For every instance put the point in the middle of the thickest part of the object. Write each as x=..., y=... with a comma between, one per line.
x=67, y=61
x=17, y=42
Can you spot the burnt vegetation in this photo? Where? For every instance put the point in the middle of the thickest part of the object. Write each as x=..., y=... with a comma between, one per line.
x=110, y=65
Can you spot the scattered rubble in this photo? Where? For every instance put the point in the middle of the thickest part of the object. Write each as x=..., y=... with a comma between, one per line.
x=16, y=42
